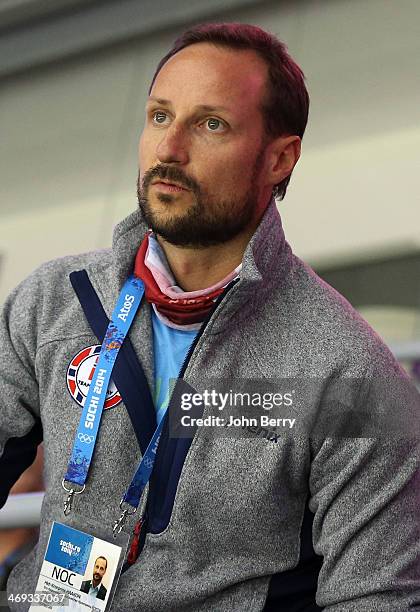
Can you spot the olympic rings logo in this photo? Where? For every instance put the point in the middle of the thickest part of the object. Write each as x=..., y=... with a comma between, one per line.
x=85, y=438
x=148, y=462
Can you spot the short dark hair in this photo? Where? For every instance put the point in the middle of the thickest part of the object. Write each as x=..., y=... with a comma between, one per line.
x=104, y=558
x=286, y=105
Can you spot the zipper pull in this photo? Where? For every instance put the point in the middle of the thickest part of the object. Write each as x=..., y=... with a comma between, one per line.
x=133, y=552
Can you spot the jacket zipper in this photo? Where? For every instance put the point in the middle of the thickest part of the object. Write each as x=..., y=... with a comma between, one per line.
x=204, y=325
x=165, y=432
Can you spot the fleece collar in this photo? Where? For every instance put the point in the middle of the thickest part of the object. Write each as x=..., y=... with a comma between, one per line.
x=266, y=255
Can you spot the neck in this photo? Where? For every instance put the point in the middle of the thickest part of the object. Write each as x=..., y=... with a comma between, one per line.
x=199, y=268
x=95, y=582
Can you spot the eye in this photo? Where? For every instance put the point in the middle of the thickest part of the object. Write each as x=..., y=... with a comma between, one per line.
x=159, y=117
x=214, y=125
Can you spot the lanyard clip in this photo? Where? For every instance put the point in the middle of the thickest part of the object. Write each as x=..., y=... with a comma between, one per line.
x=69, y=500
x=120, y=522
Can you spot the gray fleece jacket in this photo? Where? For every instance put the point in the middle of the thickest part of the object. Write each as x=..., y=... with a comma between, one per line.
x=229, y=525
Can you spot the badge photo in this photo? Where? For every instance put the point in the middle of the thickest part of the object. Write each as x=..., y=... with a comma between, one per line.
x=80, y=374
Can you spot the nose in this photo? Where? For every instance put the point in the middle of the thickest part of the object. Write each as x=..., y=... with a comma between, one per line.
x=173, y=148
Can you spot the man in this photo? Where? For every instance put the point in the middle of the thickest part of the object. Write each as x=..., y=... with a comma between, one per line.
x=249, y=522
x=94, y=587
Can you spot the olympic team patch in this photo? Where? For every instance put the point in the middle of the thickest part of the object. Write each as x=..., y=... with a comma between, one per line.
x=80, y=374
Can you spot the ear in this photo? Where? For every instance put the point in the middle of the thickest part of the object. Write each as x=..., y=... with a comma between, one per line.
x=283, y=155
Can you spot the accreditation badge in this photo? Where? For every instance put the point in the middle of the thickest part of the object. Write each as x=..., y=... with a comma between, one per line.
x=81, y=568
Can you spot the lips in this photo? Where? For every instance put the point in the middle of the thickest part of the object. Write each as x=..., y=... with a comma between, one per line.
x=170, y=185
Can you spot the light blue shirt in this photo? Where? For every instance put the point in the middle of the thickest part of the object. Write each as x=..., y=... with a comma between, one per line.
x=170, y=350
x=94, y=591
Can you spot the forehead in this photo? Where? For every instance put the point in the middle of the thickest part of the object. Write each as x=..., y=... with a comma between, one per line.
x=205, y=74
x=100, y=562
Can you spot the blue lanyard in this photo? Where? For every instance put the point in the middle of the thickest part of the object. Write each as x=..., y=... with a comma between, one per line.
x=87, y=432
x=144, y=470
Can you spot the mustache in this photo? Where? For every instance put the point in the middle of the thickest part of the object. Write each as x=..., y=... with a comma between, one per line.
x=170, y=173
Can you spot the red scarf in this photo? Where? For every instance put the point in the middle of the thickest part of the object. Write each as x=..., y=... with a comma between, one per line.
x=182, y=311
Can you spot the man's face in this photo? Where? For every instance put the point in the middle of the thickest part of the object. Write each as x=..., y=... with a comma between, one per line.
x=99, y=569
x=204, y=132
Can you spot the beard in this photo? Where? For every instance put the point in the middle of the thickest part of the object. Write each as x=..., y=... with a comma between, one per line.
x=206, y=222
